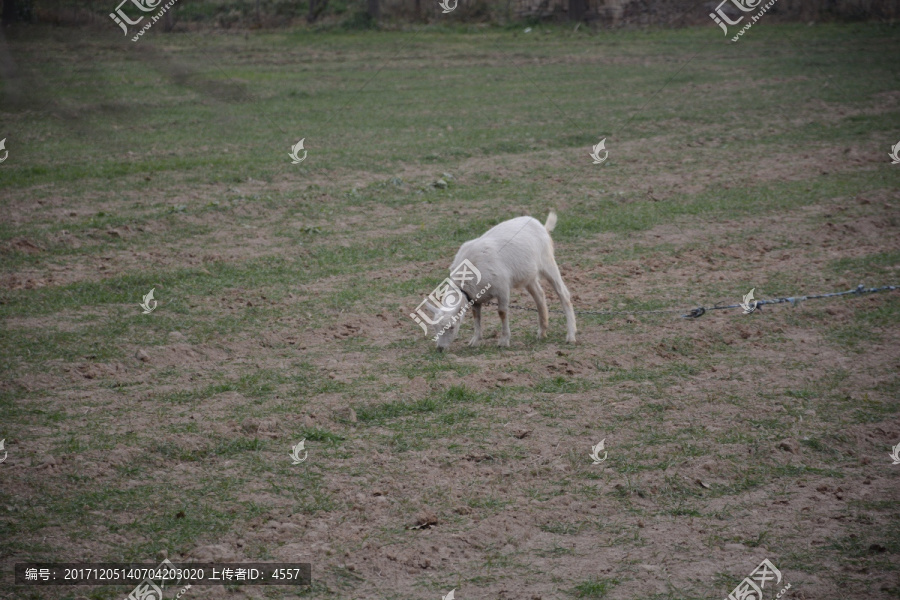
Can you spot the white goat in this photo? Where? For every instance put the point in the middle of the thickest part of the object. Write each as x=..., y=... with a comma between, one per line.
x=511, y=255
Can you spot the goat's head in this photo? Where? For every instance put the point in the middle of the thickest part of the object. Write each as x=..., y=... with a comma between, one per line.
x=446, y=324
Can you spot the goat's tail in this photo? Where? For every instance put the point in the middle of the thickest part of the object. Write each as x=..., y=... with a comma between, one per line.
x=551, y=221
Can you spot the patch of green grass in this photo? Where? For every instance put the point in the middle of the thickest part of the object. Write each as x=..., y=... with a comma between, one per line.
x=597, y=587
x=557, y=550
x=315, y=434
x=855, y=546
x=880, y=264
x=380, y=413
x=820, y=446
x=432, y=365
x=654, y=375
x=565, y=528
x=222, y=448
x=870, y=409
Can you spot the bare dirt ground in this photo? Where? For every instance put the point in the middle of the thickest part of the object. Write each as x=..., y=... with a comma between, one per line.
x=519, y=505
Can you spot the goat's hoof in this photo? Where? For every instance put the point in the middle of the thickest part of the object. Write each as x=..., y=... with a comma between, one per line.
x=570, y=340
x=503, y=343
x=475, y=342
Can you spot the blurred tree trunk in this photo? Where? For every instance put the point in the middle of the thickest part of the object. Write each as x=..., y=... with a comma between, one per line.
x=316, y=8
x=373, y=9
x=10, y=14
x=577, y=10
x=169, y=19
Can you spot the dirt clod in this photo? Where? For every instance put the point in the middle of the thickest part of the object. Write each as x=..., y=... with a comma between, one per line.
x=424, y=520
x=345, y=414
x=789, y=445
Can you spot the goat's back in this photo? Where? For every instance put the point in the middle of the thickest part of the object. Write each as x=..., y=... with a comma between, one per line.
x=513, y=250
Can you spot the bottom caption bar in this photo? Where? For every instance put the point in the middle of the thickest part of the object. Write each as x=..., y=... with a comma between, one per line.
x=166, y=573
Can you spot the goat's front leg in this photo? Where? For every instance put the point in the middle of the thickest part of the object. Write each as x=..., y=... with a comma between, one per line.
x=476, y=314
x=503, y=311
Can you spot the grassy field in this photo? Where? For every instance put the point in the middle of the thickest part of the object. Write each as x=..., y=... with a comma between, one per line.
x=285, y=290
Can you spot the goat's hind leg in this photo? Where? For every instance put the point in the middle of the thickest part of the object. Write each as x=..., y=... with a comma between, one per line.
x=552, y=275
x=537, y=292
